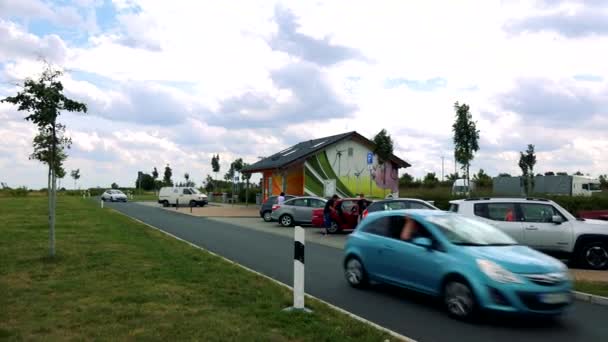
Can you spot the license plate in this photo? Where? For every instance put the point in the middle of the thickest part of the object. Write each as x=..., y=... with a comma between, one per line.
x=554, y=298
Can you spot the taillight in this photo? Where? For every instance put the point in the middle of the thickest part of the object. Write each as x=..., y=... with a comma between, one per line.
x=364, y=213
x=275, y=207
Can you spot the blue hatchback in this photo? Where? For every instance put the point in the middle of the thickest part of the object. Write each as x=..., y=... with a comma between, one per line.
x=469, y=264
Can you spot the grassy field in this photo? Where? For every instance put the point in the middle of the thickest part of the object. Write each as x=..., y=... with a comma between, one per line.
x=115, y=279
x=597, y=288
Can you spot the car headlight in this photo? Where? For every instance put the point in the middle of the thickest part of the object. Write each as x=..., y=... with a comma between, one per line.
x=497, y=273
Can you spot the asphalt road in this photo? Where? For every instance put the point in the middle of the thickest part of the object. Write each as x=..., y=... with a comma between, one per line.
x=413, y=315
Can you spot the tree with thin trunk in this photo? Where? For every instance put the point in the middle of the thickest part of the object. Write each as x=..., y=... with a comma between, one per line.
x=43, y=100
x=384, y=151
x=167, y=177
x=526, y=164
x=187, y=178
x=76, y=175
x=246, y=177
x=155, y=177
x=215, y=165
x=466, y=138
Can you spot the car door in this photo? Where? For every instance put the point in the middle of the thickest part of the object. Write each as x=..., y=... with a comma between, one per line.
x=414, y=266
x=378, y=255
x=539, y=230
x=349, y=215
x=313, y=204
x=299, y=206
x=502, y=215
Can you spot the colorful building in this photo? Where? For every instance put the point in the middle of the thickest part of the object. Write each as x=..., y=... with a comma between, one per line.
x=342, y=164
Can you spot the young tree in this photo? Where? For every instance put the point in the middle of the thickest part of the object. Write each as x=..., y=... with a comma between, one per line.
x=155, y=177
x=44, y=100
x=114, y=186
x=42, y=152
x=526, y=164
x=246, y=177
x=215, y=165
x=384, y=151
x=466, y=138
x=209, y=186
x=76, y=175
x=603, y=181
x=167, y=177
x=578, y=173
x=452, y=177
x=187, y=178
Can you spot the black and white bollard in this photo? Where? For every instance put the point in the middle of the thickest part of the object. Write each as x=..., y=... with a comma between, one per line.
x=298, y=271
x=101, y=204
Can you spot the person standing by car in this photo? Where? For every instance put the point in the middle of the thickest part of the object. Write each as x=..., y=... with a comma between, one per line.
x=329, y=207
x=361, y=206
x=281, y=198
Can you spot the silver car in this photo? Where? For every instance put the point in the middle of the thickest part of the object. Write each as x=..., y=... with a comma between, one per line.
x=114, y=196
x=296, y=210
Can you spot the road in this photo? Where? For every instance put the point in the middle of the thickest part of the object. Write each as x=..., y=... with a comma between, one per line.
x=410, y=314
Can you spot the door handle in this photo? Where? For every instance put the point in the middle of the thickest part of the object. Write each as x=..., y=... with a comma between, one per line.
x=531, y=228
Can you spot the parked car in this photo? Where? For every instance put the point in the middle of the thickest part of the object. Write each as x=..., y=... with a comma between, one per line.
x=113, y=195
x=266, y=207
x=471, y=265
x=181, y=195
x=345, y=217
x=398, y=204
x=593, y=214
x=544, y=225
x=296, y=210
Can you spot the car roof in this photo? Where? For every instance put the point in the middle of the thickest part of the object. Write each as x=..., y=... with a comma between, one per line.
x=502, y=199
x=415, y=213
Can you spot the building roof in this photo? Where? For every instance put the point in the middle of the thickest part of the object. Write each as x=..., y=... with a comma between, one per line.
x=305, y=149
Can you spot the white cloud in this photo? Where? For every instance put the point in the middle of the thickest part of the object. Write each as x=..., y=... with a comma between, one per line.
x=175, y=82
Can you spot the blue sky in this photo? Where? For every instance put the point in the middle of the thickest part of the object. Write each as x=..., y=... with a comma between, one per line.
x=177, y=82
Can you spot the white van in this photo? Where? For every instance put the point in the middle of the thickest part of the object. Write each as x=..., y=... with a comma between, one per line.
x=187, y=196
x=460, y=187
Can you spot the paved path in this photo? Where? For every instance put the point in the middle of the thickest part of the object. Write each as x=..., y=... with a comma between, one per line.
x=410, y=314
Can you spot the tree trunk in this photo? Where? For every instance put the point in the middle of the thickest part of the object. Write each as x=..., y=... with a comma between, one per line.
x=468, y=181
x=50, y=197
x=52, y=193
x=247, y=193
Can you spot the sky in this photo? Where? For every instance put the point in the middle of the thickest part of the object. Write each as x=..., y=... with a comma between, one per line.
x=175, y=82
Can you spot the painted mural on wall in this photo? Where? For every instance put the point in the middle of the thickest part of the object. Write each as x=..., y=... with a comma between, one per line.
x=346, y=162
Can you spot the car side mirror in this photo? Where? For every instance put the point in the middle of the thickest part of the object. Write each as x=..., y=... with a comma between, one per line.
x=557, y=219
x=423, y=242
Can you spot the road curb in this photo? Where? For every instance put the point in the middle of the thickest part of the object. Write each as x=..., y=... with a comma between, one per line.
x=350, y=314
x=591, y=298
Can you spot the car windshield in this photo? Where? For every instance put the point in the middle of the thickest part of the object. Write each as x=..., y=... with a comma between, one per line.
x=464, y=231
x=194, y=191
x=116, y=192
x=594, y=187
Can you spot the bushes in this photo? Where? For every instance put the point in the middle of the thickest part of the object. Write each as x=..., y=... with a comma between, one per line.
x=19, y=192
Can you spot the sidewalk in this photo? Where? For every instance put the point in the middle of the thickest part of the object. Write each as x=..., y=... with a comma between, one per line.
x=589, y=275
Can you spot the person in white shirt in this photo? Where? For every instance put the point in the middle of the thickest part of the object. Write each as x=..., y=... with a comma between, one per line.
x=281, y=198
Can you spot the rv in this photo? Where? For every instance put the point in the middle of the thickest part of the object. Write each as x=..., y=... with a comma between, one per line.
x=461, y=188
x=550, y=185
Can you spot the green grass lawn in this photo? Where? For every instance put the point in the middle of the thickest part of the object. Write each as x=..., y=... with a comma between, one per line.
x=596, y=288
x=145, y=197
x=115, y=279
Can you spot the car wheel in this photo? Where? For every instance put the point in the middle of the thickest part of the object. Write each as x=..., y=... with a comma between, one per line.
x=111, y=199
x=192, y=203
x=594, y=256
x=459, y=300
x=286, y=220
x=333, y=228
x=355, y=274
x=267, y=216
x=165, y=204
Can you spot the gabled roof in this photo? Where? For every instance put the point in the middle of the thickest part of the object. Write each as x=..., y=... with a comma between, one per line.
x=303, y=150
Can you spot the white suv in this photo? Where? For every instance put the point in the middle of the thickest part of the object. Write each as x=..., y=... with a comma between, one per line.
x=544, y=225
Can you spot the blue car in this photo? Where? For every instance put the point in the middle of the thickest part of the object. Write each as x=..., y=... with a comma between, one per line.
x=469, y=264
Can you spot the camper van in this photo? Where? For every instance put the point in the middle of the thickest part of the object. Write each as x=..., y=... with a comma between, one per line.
x=460, y=187
x=181, y=195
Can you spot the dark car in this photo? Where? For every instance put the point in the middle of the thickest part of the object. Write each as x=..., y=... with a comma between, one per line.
x=398, y=204
x=266, y=207
x=345, y=217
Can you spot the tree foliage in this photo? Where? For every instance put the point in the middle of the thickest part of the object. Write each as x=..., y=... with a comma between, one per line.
x=114, y=186
x=155, y=174
x=215, y=163
x=167, y=176
x=504, y=174
x=466, y=137
x=603, y=181
x=526, y=164
x=482, y=179
x=549, y=173
x=406, y=179
x=430, y=180
x=384, y=146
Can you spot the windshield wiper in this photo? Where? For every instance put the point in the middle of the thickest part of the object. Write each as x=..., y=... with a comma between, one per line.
x=468, y=244
x=484, y=244
x=502, y=244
